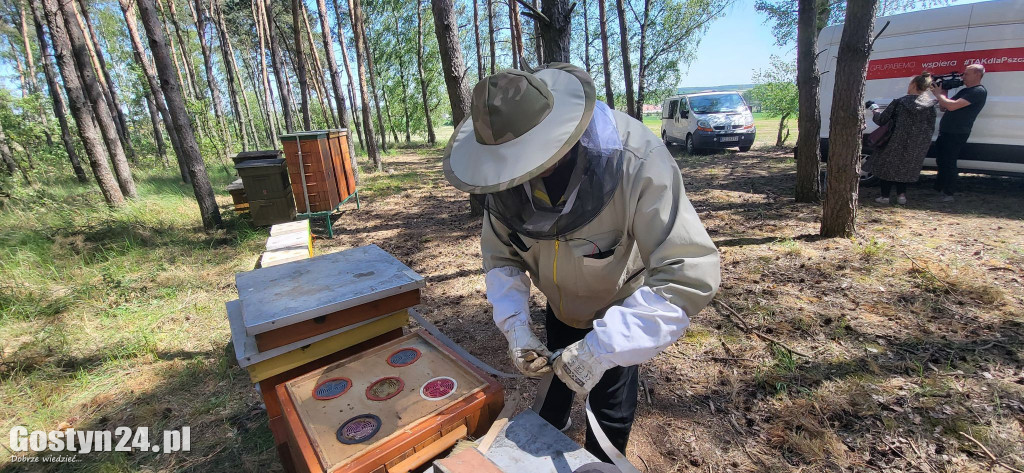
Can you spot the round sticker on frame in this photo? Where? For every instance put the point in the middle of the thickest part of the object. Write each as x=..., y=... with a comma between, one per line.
x=438, y=388
x=358, y=429
x=404, y=357
x=331, y=388
x=384, y=388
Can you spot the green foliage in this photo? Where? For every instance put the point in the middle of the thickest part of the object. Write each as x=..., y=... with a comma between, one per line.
x=782, y=14
x=776, y=89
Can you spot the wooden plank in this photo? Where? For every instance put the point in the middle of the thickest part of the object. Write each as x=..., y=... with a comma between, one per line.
x=435, y=449
x=298, y=226
x=292, y=359
x=342, y=318
x=274, y=258
x=283, y=295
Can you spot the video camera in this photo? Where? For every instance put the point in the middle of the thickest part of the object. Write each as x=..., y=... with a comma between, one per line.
x=949, y=81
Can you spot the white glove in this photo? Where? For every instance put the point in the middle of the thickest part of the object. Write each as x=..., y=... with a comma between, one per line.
x=527, y=352
x=578, y=368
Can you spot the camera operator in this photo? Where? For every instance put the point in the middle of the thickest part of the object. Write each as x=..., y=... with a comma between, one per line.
x=955, y=126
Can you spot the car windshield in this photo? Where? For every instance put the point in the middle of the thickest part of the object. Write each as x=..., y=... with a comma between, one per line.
x=716, y=103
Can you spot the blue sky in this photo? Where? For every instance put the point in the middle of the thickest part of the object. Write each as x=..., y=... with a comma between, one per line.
x=737, y=45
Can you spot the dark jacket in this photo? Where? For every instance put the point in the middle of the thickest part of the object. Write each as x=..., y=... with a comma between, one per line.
x=913, y=122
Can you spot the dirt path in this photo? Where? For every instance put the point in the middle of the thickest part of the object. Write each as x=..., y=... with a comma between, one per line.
x=908, y=335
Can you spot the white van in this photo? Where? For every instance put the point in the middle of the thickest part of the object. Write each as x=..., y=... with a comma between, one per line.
x=940, y=41
x=708, y=120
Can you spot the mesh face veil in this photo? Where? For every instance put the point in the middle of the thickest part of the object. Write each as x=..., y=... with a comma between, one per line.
x=592, y=183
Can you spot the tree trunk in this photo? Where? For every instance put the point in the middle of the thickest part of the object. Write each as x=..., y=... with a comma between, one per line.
x=186, y=55
x=405, y=92
x=779, y=139
x=283, y=89
x=538, y=43
x=230, y=73
x=840, y=212
x=391, y=121
x=809, y=115
x=419, y=70
x=211, y=77
x=268, y=99
x=254, y=78
x=128, y=9
x=300, y=66
x=368, y=54
x=332, y=67
x=641, y=79
x=446, y=27
x=109, y=91
x=154, y=118
x=602, y=19
x=57, y=98
x=356, y=14
x=586, y=37
x=490, y=32
x=80, y=107
x=476, y=39
x=351, y=91
x=105, y=120
x=318, y=73
x=28, y=53
x=236, y=87
x=20, y=68
x=8, y=158
x=174, y=53
x=513, y=13
x=555, y=34
x=627, y=68
x=179, y=116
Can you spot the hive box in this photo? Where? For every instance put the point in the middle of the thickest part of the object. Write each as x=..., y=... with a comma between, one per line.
x=396, y=429
x=292, y=302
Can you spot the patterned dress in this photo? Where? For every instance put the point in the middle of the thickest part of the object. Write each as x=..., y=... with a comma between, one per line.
x=913, y=122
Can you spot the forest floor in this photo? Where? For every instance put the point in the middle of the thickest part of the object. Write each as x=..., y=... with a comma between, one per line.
x=890, y=351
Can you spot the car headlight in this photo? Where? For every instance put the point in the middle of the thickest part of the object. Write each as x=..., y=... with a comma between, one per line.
x=703, y=123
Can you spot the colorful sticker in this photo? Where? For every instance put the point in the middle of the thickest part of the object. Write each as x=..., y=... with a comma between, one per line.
x=404, y=357
x=358, y=429
x=385, y=388
x=331, y=388
x=438, y=388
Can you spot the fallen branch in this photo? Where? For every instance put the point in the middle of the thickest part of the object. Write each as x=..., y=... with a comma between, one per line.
x=990, y=455
x=760, y=334
x=930, y=273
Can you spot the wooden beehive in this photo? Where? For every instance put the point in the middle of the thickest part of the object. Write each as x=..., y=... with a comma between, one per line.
x=325, y=165
x=287, y=303
x=411, y=426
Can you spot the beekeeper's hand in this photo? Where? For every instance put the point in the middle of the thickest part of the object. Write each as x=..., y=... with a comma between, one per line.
x=528, y=353
x=578, y=368
x=508, y=291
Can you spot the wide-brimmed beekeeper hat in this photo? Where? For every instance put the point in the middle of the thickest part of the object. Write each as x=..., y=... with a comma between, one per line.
x=520, y=125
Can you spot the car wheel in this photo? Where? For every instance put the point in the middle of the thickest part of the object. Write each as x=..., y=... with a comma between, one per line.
x=744, y=149
x=689, y=145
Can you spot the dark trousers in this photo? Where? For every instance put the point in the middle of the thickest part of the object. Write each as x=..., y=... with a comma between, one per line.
x=613, y=399
x=901, y=187
x=947, y=148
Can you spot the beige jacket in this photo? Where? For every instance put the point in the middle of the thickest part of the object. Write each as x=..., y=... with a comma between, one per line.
x=658, y=240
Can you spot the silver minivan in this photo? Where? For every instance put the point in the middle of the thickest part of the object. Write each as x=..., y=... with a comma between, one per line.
x=708, y=120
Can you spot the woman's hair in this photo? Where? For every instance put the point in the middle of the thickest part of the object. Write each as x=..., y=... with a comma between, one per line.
x=923, y=81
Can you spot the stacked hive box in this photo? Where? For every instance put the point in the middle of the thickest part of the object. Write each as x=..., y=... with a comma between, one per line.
x=288, y=242
x=267, y=190
x=320, y=168
x=293, y=318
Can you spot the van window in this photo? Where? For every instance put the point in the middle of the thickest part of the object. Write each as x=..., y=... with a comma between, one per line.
x=683, y=107
x=717, y=103
x=670, y=111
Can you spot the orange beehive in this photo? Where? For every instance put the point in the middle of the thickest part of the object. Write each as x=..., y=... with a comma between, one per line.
x=387, y=410
x=326, y=167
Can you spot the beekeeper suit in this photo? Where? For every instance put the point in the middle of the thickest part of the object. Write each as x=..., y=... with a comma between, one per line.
x=588, y=204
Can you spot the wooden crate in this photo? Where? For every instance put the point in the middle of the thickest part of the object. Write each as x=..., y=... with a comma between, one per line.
x=412, y=427
x=338, y=142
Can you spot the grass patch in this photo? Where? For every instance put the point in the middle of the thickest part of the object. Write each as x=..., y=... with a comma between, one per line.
x=384, y=184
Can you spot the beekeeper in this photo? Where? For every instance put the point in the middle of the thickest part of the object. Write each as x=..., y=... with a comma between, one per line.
x=588, y=204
